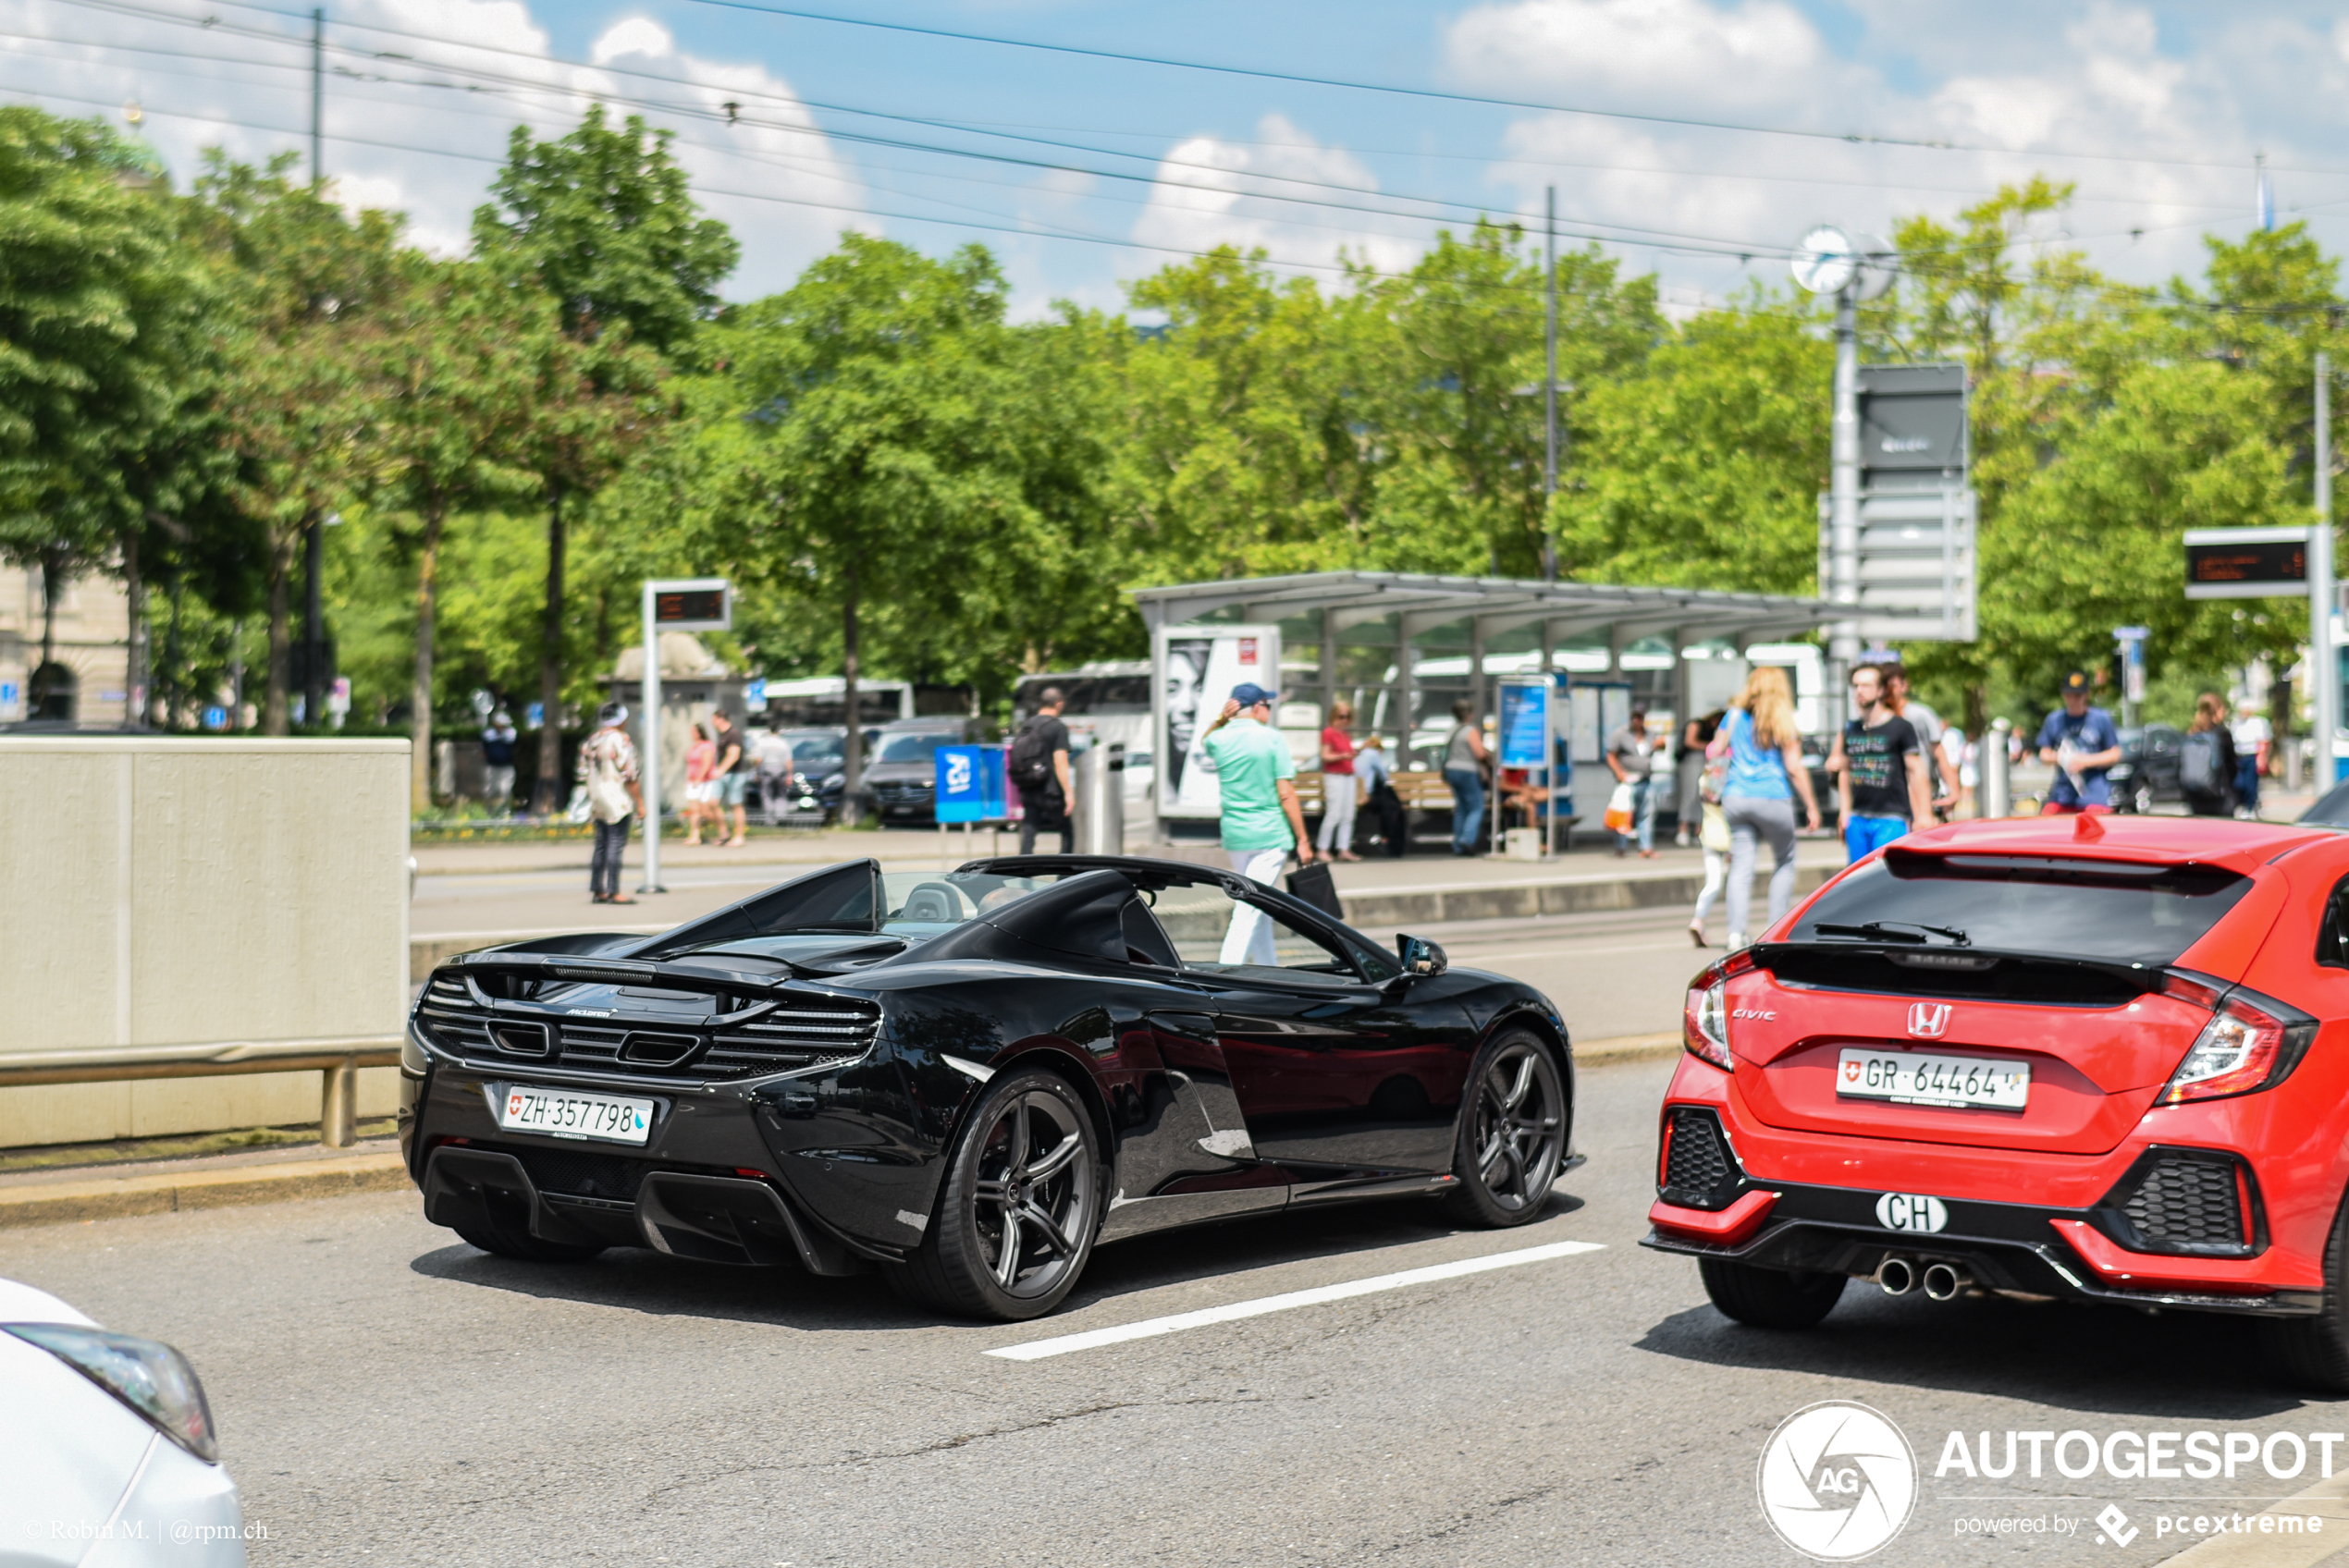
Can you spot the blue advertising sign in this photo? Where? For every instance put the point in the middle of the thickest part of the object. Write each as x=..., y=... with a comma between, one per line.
x=1525, y=724
x=215, y=718
x=970, y=783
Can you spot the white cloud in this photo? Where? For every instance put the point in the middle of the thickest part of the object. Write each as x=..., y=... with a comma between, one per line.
x=452, y=77
x=1211, y=192
x=1752, y=52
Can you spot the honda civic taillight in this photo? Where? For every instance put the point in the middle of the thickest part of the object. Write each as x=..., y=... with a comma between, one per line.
x=2252, y=1042
x=1705, y=1022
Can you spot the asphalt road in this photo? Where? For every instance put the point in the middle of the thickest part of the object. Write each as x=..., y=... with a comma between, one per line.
x=388, y=1395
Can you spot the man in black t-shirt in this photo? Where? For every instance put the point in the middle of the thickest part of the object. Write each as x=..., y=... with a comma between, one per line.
x=1880, y=770
x=1043, y=803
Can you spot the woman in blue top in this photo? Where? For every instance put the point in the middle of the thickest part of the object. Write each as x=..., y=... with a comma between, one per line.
x=1765, y=776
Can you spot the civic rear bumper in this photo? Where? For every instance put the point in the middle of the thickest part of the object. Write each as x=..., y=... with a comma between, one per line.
x=2020, y=1248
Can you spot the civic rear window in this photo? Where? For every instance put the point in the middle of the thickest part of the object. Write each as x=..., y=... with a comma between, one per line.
x=2037, y=904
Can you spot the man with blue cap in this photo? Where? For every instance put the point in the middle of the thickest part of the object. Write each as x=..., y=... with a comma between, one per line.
x=1261, y=820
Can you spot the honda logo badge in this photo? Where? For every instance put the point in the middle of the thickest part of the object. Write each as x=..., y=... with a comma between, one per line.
x=1929, y=1021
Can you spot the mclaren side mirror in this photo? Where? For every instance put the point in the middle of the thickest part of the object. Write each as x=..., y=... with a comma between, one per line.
x=1421, y=957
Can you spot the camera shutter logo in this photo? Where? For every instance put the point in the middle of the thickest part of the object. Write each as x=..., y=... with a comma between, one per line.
x=1929, y=1021
x=1837, y=1480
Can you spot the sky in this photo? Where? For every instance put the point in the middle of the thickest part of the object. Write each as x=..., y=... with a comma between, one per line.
x=1694, y=138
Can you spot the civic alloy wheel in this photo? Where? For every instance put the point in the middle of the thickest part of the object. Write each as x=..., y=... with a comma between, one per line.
x=1513, y=1127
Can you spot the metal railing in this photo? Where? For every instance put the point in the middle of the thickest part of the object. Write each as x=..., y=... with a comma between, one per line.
x=336, y=1060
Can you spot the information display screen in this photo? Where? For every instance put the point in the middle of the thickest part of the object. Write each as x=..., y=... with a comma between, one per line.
x=696, y=606
x=2246, y=568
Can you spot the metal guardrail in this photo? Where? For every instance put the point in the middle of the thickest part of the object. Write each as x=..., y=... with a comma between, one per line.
x=336, y=1060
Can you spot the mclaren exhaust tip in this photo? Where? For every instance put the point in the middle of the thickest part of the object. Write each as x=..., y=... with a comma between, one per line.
x=1896, y=1276
x=1945, y=1282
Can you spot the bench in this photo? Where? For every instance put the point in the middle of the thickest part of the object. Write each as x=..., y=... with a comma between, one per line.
x=1421, y=790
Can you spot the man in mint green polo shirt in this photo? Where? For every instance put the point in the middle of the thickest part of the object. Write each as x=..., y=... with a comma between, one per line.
x=1262, y=819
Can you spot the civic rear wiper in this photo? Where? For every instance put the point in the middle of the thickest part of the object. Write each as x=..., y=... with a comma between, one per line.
x=1901, y=930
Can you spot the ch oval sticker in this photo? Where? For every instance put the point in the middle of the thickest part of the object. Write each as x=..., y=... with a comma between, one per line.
x=1905, y=1211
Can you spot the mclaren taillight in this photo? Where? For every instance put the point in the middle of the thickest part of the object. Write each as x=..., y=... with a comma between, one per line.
x=2252, y=1042
x=1704, y=1026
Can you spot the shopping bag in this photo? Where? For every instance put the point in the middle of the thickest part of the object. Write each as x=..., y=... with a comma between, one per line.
x=577, y=810
x=1714, y=834
x=1618, y=809
x=1313, y=883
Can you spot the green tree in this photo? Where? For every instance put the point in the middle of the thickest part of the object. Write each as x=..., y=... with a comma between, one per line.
x=1449, y=360
x=310, y=295
x=602, y=221
x=457, y=380
x=99, y=316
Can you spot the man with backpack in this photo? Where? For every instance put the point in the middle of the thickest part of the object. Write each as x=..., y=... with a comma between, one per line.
x=1039, y=770
x=2206, y=760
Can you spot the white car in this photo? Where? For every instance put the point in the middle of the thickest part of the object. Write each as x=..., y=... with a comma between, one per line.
x=107, y=1453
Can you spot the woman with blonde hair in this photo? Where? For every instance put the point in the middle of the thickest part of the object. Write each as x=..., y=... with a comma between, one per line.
x=1766, y=778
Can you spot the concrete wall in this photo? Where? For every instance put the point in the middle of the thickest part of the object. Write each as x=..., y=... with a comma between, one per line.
x=181, y=893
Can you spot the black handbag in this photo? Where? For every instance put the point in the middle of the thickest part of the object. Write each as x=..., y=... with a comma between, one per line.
x=1312, y=884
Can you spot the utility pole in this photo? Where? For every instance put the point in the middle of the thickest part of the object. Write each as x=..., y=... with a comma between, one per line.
x=317, y=97
x=2324, y=674
x=314, y=535
x=1550, y=394
x=1843, y=516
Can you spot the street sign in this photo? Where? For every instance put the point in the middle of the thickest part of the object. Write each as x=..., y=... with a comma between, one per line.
x=1912, y=427
x=755, y=695
x=2247, y=563
x=1918, y=567
x=970, y=783
x=694, y=604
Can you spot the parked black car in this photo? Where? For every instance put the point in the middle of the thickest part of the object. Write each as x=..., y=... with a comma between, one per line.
x=970, y=1078
x=2146, y=775
x=900, y=768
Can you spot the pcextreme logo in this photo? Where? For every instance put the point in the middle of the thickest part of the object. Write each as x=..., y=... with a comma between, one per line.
x=1837, y=1481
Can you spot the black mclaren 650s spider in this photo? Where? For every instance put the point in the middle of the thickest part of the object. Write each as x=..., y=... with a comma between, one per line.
x=969, y=1080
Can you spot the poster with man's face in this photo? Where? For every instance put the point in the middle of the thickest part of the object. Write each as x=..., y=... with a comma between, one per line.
x=1197, y=675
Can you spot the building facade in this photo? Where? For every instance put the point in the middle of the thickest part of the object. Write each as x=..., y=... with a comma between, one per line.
x=90, y=653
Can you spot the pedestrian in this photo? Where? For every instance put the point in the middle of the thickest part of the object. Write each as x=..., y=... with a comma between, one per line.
x=1712, y=826
x=775, y=772
x=1882, y=776
x=2206, y=760
x=498, y=762
x=701, y=791
x=1261, y=820
x=1038, y=768
x=1378, y=789
x=2083, y=743
x=1940, y=769
x=1688, y=790
x=733, y=779
x=1338, y=784
x=2251, y=736
x=1627, y=758
x=608, y=766
x=1958, y=762
x=1464, y=758
x=1766, y=778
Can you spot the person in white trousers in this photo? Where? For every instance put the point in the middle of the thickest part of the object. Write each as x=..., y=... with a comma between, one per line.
x=1338, y=785
x=1261, y=820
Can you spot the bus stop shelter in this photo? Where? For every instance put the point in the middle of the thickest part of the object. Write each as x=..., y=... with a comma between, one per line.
x=1403, y=647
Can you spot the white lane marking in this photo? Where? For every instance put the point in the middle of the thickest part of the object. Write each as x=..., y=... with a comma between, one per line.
x=1036, y=1349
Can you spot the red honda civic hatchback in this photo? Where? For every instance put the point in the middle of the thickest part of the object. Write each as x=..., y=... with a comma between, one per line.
x=2102, y=1059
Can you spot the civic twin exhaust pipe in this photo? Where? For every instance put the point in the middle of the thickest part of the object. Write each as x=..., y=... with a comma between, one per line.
x=1898, y=1276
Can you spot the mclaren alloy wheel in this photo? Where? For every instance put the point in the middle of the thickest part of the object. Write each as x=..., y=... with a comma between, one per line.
x=1016, y=1214
x=1512, y=1139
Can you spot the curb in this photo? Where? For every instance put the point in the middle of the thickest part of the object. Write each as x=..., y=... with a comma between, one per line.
x=61, y=1202
x=1627, y=1048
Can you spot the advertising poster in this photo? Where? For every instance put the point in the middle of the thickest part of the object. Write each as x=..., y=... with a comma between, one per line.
x=1197, y=668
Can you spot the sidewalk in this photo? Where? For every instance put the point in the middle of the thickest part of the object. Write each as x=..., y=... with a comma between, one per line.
x=220, y=1181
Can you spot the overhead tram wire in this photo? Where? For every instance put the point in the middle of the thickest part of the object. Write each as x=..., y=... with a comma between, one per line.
x=1626, y=235
x=1439, y=94
x=981, y=129
x=1463, y=211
